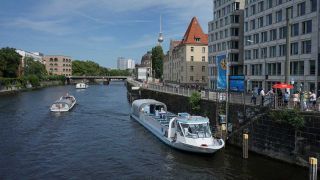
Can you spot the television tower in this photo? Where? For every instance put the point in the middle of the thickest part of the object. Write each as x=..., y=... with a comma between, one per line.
x=160, y=38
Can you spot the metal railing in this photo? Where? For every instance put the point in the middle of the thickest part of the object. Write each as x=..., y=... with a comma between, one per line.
x=271, y=101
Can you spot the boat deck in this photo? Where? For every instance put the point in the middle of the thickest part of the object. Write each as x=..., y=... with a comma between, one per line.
x=164, y=119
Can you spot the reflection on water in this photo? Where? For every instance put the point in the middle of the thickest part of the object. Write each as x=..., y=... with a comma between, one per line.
x=98, y=140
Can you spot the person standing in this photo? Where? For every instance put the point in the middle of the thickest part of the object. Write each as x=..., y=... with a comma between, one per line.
x=313, y=100
x=286, y=98
x=262, y=93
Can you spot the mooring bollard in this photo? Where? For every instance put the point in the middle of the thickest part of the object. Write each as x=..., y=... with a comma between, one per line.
x=245, y=146
x=313, y=168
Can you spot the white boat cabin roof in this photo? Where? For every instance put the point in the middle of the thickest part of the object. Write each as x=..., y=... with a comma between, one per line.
x=185, y=118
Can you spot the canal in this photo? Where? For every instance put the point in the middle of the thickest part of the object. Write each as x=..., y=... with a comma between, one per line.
x=98, y=140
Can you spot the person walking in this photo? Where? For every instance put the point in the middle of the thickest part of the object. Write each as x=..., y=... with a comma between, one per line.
x=262, y=93
x=313, y=100
x=286, y=98
x=254, y=95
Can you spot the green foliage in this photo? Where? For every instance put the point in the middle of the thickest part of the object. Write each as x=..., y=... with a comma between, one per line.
x=157, y=61
x=34, y=68
x=9, y=62
x=34, y=80
x=90, y=68
x=87, y=68
x=289, y=116
x=194, y=101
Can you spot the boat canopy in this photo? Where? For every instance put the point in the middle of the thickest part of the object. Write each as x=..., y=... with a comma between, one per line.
x=64, y=101
x=192, y=119
x=147, y=105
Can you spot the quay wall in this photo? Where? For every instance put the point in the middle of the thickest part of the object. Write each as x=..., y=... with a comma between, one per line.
x=13, y=89
x=266, y=137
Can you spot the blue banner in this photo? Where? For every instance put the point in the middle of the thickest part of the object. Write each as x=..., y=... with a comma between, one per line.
x=221, y=72
x=237, y=83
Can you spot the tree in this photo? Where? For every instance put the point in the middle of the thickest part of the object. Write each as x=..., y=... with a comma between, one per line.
x=157, y=61
x=194, y=101
x=9, y=62
x=34, y=68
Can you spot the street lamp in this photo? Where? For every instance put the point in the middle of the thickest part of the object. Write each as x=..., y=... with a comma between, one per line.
x=265, y=63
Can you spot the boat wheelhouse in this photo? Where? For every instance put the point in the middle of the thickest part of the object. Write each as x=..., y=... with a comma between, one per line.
x=65, y=103
x=181, y=131
x=81, y=85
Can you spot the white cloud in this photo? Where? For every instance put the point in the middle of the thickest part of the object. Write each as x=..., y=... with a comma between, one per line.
x=49, y=26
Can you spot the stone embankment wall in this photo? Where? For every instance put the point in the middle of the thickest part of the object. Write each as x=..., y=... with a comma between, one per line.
x=266, y=137
x=13, y=89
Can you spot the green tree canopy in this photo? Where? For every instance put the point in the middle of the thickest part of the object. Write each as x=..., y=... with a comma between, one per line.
x=34, y=68
x=9, y=62
x=194, y=101
x=90, y=68
x=157, y=61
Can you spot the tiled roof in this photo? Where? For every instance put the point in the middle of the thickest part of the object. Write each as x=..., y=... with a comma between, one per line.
x=194, y=34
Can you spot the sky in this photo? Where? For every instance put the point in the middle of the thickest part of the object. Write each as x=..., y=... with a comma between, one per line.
x=97, y=30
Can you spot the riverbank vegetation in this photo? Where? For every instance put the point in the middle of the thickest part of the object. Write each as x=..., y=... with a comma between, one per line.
x=90, y=68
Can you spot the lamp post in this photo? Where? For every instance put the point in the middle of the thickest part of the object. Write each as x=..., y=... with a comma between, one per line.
x=265, y=63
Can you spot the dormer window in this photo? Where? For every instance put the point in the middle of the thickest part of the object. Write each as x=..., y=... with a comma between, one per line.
x=197, y=39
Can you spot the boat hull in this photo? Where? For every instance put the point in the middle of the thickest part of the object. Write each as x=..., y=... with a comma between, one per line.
x=176, y=145
x=63, y=109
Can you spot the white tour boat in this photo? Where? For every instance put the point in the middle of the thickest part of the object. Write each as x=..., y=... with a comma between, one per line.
x=81, y=85
x=182, y=131
x=65, y=103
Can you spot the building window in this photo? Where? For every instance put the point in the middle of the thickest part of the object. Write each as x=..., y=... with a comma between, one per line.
x=264, y=52
x=191, y=58
x=301, y=9
x=191, y=78
x=306, y=47
x=312, y=67
x=295, y=29
x=294, y=48
x=197, y=39
x=203, y=58
x=261, y=6
x=264, y=36
x=246, y=12
x=192, y=49
x=253, y=24
x=256, y=69
x=253, y=9
x=282, y=50
x=226, y=33
x=256, y=54
x=274, y=69
x=279, y=16
x=203, y=78
x=269, y=19
x=297, y=68
x=234, y=31
x=247, y=54
x=256, y=38
x=260, y=22
x=203, y=49
x=246, y=26
x=203, y=69
x=282, y=32
x=313, y=4
x=191, y=68
x=269, y=3
x=307, y=27
x=273, y=51
x=273, y=34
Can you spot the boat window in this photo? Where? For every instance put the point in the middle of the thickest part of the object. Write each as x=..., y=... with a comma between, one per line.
x=197, y=130
x=179, y=129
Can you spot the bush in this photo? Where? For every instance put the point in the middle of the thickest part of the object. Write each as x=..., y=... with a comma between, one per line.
x=289, y=116
x=194, y=101
x=34, y=80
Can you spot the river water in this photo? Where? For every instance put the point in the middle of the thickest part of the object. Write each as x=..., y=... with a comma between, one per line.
x=98, y=140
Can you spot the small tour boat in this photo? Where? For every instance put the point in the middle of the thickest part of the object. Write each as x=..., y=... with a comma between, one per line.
x=81, y=85
x=182, y=131
x=65, y=103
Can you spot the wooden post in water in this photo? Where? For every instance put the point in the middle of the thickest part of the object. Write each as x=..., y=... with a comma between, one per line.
x=313, y=168
x=245, y=146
